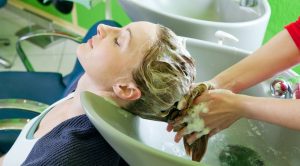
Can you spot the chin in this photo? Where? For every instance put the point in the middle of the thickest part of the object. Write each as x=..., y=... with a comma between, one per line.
x=83, y=49
x=80, y=50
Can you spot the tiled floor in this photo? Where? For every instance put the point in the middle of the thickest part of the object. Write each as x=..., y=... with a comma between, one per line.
x=57, y=57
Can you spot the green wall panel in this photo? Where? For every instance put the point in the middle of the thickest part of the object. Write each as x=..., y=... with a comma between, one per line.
x=119, y=14
x=49, y=9
x=87, y=17
x=282, y=13
x=297, y=69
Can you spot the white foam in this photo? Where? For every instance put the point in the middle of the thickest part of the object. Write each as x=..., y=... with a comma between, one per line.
x=194, y=122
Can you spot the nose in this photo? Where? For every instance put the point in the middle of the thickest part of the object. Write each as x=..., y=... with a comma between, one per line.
x=104, y=30
x=101, y=32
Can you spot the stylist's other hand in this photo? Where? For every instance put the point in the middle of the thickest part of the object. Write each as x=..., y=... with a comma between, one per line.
x=198, y=148
x=219, y=109
x=187, y=102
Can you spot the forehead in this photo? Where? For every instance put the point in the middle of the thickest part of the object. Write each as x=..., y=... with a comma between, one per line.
x=143, y=32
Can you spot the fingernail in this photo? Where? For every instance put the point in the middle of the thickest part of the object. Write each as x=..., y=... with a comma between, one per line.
x=169, y=128
x=177, y=138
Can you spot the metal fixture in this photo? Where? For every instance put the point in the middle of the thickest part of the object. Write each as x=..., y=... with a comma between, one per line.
x=286, y=88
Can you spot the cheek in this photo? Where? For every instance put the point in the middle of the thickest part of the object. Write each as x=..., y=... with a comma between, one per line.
x=99, y=53
x=81, y=53
x=96, y=60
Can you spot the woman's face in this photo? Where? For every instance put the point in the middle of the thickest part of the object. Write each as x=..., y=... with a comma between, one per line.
x=114, y=52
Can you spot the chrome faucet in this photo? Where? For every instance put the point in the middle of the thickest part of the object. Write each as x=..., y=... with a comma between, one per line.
x=247, y=3
x=286, y=88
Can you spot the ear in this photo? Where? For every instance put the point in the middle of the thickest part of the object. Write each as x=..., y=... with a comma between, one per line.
x=127, y=91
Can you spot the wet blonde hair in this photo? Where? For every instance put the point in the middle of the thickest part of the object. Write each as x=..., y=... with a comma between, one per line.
x=164, y=76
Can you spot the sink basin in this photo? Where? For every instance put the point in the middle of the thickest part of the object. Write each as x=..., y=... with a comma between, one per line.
x=147, y=143
x=202, y=18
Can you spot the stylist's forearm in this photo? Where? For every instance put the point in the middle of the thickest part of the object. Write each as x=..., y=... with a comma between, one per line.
x=277, y=111
x=278, y=54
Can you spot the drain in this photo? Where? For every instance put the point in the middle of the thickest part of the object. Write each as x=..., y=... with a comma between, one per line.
x=237, y=155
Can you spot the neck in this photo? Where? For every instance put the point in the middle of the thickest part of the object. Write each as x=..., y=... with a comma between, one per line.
x=86, y=84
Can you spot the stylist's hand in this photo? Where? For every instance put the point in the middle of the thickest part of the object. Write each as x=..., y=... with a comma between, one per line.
x=220, y=108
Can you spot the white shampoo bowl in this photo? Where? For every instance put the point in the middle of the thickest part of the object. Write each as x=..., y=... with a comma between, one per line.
x=200, y=19
x=147, y=143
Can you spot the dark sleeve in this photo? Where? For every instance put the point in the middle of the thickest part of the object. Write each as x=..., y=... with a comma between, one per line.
x=294, y=31
x=80, y=145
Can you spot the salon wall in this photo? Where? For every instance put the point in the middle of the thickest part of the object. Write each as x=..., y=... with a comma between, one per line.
x=81, y=18
x=283, y=12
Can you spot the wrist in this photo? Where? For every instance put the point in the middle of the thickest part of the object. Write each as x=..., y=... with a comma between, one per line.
x=245, y=105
